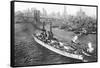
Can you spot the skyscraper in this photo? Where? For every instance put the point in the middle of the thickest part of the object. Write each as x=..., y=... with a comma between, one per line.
x=44, y=12
x=81, y=13
x=65, y=12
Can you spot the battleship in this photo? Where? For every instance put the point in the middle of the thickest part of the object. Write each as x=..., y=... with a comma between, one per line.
x=46, y=39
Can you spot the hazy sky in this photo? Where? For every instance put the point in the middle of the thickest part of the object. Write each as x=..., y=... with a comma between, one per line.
x=71, y=9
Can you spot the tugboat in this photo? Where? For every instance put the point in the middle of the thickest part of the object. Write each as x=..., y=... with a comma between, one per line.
x=46, y=39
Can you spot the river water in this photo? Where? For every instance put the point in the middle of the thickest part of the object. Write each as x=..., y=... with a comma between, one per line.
x=29, y=52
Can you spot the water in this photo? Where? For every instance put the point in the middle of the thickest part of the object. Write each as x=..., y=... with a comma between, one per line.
x=29, y=52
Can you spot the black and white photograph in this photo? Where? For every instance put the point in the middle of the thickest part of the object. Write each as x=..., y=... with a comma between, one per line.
x=53, y=33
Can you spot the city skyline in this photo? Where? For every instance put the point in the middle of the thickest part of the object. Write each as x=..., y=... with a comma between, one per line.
x=54, y=8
